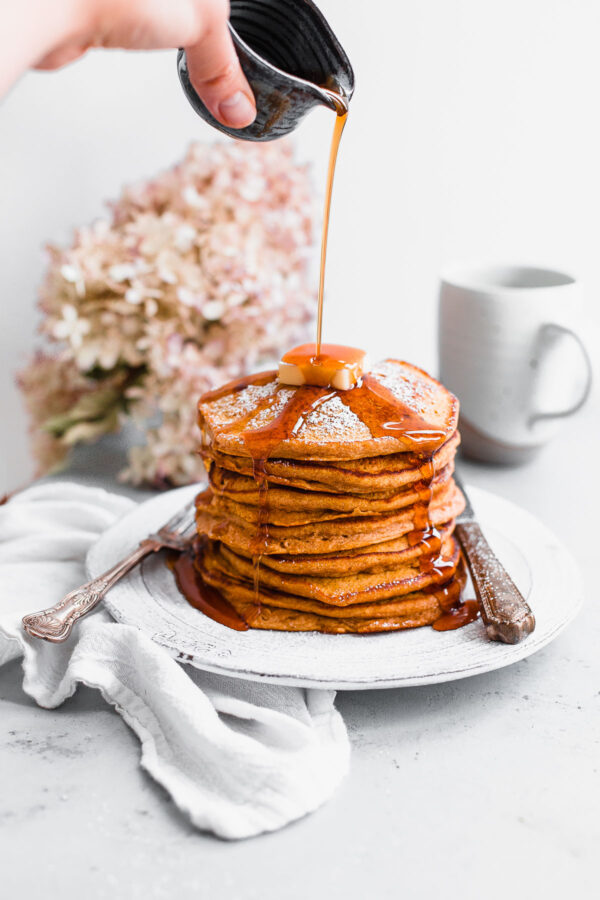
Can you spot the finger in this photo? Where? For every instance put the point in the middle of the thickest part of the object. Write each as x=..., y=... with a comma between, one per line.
x=153, y=24
x=62, y=56
x=217, y=76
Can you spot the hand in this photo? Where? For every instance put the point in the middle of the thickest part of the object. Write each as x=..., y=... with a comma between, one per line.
x=49, y=35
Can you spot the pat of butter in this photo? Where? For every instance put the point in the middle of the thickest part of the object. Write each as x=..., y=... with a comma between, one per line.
x=336, y=366
x=291, y=374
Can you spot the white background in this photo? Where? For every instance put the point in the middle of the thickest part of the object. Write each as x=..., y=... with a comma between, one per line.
x=473, y=135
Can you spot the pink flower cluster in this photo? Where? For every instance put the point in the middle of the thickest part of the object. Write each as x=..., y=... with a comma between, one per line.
x=201, y=274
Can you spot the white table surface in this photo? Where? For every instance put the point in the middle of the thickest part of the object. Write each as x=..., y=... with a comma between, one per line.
x=481, y=788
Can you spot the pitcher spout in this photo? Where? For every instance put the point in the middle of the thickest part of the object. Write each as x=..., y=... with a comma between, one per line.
x=292, y=60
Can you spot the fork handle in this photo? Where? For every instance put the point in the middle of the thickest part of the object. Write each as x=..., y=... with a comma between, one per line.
x=505, y=612
x=55, y=623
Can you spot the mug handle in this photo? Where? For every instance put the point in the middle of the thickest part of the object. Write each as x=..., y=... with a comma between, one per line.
x=552, y=329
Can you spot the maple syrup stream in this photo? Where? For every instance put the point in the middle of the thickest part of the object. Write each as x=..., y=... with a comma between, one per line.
x=340, y=121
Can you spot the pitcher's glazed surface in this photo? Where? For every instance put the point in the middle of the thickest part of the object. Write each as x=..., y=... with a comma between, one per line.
x=292, y=60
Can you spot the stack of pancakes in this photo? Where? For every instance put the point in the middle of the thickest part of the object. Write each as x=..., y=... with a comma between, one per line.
x=331, y=510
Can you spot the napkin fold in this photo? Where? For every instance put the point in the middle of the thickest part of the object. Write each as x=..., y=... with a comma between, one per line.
x=238, y=758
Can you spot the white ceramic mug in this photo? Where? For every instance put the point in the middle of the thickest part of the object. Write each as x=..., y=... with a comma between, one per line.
x=510, y=351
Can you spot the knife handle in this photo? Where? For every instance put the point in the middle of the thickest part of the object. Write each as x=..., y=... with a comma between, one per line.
x=505, y=612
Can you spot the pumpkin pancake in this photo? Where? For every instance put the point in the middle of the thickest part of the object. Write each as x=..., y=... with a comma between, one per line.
x=343, y=590
x=372, y=558
x=377, y=474
x=243, y=490
x=397, y=408
x=327, y=536
x=283, y=612
x=288, y=515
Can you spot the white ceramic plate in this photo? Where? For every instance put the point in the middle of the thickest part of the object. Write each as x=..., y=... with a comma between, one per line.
x=148, y=598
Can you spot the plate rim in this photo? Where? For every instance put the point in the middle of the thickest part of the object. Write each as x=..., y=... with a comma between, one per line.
x=528, y=647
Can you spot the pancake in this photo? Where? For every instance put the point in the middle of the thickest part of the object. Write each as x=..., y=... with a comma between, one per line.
x=312, y=505
x=331, y=424
x=283, y=612
x=373, y=558
x=342, y=590
x=378, y=474
x=289, y=516
x=342, y=533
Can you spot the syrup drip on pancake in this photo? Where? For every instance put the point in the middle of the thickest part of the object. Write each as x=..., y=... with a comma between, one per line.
x=262, y=535
x=372, y=403
x=425, y=532
x=456, y=611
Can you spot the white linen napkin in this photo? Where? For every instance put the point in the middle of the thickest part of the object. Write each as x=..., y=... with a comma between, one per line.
x=238, y=758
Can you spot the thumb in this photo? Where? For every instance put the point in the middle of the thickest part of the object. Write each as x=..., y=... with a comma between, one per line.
x=217, y=76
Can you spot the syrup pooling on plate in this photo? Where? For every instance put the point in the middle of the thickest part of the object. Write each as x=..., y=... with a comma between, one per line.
x=199, y=594
x=463, y=612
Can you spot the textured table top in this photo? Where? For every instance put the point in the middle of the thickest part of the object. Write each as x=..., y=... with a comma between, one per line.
x=486, y=787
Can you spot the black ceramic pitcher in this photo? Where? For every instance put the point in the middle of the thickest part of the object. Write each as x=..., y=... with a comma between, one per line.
x=290, y=57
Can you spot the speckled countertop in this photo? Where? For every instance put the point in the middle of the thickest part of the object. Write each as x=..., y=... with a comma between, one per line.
x=482, y=788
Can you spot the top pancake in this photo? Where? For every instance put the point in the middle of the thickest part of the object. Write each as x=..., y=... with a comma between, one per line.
x=397, y=408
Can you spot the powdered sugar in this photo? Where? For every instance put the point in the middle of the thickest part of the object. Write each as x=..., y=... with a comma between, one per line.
x=333, y=421
x=265, y=416
x=412, y=389
x=239, y=404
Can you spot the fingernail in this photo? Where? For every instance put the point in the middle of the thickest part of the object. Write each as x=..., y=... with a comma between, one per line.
x=237, y=110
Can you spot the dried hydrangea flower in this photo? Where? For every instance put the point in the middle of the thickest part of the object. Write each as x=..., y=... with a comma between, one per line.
x=199, y=275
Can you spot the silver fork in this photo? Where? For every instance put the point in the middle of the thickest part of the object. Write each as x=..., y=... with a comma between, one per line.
x=55, y=624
